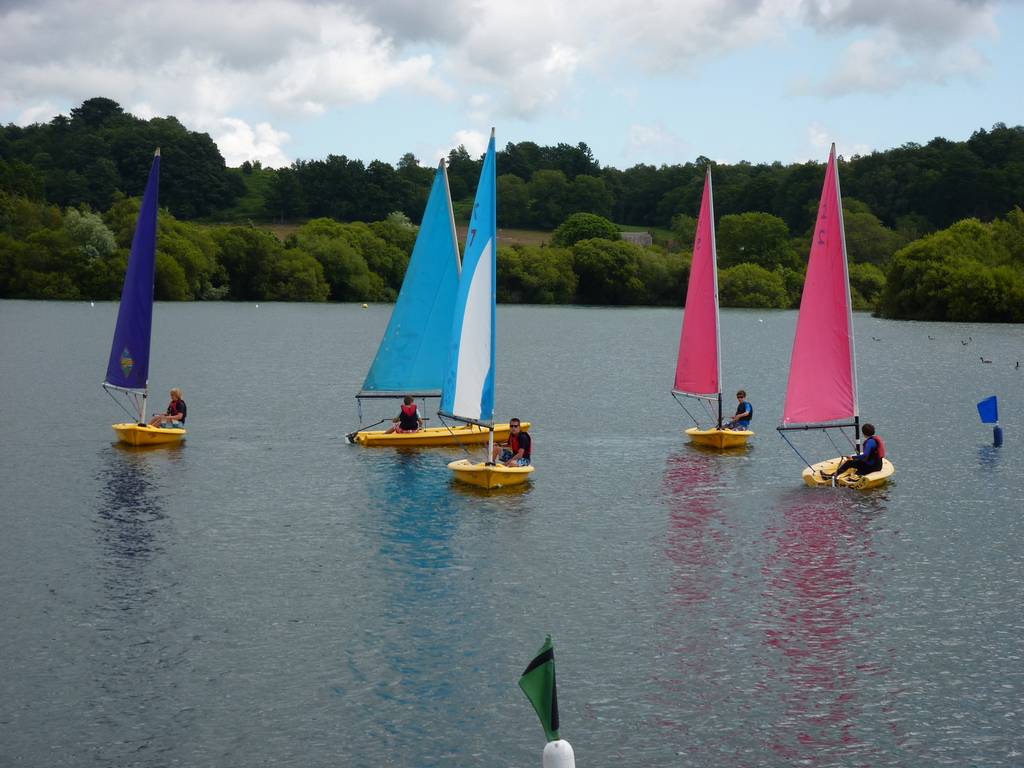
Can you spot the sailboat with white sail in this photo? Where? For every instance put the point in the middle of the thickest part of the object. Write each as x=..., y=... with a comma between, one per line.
x=128, y=364
x=822, y=388
x=699, y=365
x=413, y=354
x=468, y=395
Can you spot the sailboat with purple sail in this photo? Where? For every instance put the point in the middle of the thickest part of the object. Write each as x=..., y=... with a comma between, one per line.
x=699, y=365
x=128, y=365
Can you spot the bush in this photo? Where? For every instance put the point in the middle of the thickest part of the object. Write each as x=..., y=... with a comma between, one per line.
x=584, y=226
x=750, y=285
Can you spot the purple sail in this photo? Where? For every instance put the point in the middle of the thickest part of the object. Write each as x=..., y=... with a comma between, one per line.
x=128, y=367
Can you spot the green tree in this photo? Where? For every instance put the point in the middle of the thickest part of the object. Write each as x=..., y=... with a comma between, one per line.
x=608, y=272
x=866, y=285
x=584, y=226
x=549, y=196
x=590, y=194
x=751, y=285
x=513, y=201
x=535, y=275
x=754, y=238
x=684, y=230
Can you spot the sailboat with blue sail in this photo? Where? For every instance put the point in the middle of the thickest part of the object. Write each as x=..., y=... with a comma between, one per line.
x=128, y=365
x=413, y=354
x=468, y=394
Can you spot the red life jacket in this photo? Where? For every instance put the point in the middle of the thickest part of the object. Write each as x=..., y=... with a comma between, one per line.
x=409, y=418
x=881, y=446
x=513, y=445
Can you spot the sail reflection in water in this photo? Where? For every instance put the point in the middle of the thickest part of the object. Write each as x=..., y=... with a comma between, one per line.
x=411, y=664
x=129, y=515
x=698, y=547
x=817, y=627
x=139, y=643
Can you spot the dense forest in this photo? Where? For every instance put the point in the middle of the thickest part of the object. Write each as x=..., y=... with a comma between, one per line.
x=933, y=231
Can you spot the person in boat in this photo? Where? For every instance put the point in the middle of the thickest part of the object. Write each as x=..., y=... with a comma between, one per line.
x=516, y=452
x=174, y=416
x=744, y=412
x=408, y=419
x=869, y=459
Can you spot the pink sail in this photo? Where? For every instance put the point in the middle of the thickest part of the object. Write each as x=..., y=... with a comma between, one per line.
x=822, y=378
x=698, y=368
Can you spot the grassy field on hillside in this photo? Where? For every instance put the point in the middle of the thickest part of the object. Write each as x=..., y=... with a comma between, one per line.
x=505, y=236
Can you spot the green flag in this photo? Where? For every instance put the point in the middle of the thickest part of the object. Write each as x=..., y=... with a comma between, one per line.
x=538, y=683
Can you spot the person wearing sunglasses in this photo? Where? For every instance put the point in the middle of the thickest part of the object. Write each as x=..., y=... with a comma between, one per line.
x=515, y=452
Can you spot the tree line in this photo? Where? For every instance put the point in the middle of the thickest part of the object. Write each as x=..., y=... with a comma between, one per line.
x=932, y=231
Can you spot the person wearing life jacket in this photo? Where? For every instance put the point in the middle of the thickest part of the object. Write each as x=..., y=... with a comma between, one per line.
x=408, y=419
x=174, y=416
x=744, y=412
x=870, y=458
x=516, y=452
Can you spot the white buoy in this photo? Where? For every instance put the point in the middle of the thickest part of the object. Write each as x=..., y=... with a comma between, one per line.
x=559, y=754
x=257, y=306
x=364, y=306
x=92, y=303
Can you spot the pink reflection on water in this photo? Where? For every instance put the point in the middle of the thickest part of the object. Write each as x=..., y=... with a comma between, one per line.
x=697, y=545
x=815, y=596
x=696, y=540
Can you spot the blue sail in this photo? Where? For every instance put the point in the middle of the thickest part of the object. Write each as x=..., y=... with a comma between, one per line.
x=469, y=384
x=128, y=367
x=412, y=355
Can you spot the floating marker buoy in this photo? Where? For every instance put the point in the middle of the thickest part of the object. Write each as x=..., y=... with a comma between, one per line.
x=364, y=306
x=558, y=754
x=257, y=306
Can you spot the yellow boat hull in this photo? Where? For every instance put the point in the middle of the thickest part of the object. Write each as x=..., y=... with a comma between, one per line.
x=142, y=436
x=719, y=438
x=489, y=475
x=849, y=479
x=464, y=434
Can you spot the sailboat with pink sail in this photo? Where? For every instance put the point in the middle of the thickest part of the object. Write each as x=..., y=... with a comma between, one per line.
x=699, y=366
x=822, y=388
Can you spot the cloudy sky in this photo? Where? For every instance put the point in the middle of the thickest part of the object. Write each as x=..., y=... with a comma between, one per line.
x=662, y=81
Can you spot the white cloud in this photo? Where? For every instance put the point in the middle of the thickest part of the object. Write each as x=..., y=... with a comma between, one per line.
x=475, y=142
x=238, y=142
x=647, y=141
x=820, y=140
x=202, y=61
x=912, y=41
x=484, y=60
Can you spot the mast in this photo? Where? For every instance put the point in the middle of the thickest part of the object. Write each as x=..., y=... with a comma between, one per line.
x=714, y=272
x=849, y=306
x=442, y=166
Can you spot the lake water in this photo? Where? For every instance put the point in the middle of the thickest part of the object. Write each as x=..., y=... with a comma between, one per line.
x=266, y=594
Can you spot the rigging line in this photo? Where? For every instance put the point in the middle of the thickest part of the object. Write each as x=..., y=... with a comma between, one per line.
x=676, y=398
x=852, y=444
x=838, y=450
x=457, y=440
x=783, y=436
x=120, y=404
